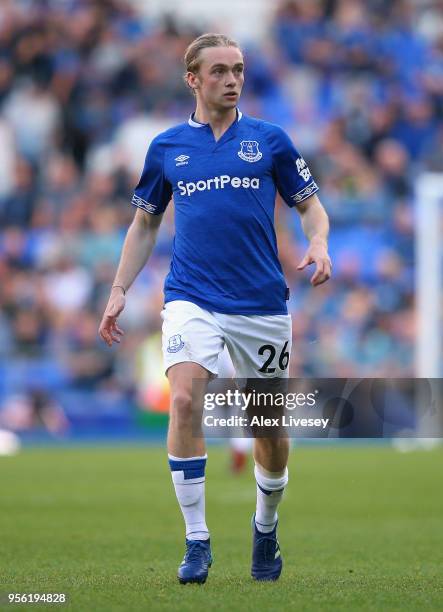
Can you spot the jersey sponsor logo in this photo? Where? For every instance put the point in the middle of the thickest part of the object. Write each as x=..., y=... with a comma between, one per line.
x=218, y=182
x=249, y=151
x=181, y=160
x=302, y=169
x=175, y=344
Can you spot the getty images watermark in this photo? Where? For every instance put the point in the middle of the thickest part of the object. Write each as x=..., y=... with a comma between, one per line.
x=253, y=401
x=319, y=408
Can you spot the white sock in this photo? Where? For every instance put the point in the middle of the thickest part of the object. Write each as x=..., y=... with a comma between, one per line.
x=270, y=488
x=188, y=476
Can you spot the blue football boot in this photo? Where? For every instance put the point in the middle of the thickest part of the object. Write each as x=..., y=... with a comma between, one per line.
x=266, y=558
x=196, y=562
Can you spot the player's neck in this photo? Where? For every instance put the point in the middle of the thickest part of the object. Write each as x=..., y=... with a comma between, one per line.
x=219, y=121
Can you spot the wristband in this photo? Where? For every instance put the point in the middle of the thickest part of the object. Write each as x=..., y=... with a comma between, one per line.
x=319, y=238
x=119, y=287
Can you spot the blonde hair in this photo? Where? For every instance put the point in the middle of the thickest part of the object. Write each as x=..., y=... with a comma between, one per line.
x=192, y=53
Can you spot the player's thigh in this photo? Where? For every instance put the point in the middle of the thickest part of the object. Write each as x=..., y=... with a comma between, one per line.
x=188, y=382
x=260, y=346
x=190, y=335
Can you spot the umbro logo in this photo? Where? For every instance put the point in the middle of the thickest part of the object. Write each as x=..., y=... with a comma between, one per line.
x=181, y=160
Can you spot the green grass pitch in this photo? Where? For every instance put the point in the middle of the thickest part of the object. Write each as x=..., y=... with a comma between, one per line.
x=361, y=528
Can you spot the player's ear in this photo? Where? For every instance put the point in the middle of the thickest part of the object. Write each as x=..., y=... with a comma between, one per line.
x=192, y=80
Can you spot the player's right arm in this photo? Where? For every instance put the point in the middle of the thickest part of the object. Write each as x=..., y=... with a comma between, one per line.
x=137, y=248
x=151, y=197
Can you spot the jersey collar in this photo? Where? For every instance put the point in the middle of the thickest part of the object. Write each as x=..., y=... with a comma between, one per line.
x=193, y=123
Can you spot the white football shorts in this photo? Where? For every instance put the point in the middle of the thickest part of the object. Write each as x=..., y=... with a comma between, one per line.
x=259, y=345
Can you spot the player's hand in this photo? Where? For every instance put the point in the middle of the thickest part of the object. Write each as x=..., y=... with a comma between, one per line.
x=109, y=331
x=317, y=253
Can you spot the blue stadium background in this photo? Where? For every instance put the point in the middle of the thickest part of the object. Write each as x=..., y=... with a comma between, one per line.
x=84, y=86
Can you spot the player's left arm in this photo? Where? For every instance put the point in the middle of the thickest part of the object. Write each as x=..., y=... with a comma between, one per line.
x=298, y=189
x=315, y=224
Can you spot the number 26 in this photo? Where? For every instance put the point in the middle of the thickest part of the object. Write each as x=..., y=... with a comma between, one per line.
x=283, y=360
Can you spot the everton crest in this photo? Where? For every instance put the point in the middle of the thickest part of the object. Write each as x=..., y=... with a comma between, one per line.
x=175, y=344
x=249, y=151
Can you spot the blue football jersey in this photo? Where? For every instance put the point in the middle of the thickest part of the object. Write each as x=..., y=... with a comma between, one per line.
x=225, y=256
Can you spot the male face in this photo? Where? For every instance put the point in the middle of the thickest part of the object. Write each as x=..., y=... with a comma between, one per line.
x=219, y=80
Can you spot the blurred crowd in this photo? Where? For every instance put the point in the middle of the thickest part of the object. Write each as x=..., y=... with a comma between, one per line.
x=85, y=85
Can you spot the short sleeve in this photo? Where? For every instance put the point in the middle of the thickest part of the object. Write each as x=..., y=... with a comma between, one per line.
x=153, y=191
x=292, y=176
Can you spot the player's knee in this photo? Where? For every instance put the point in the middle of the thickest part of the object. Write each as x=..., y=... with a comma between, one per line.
x=280, y=443
x=181, y=407
x=274, y=449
